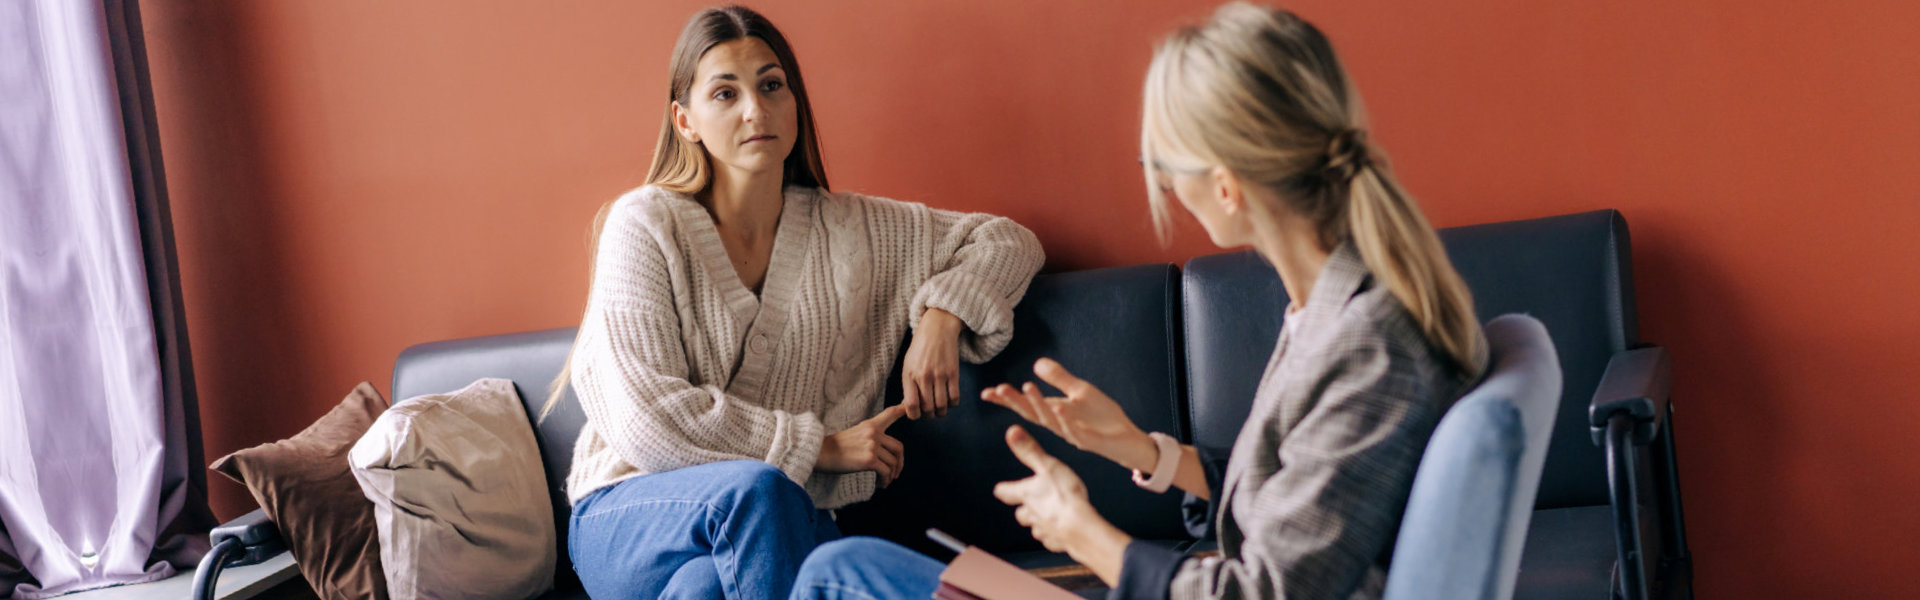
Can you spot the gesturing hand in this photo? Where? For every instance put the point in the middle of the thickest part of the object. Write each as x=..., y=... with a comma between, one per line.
x=1053, y=502
x=866, y=447
x=931, y=371
x=1085, y=417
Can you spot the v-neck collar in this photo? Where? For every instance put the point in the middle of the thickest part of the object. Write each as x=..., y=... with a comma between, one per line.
x=789, y=241
x=760, y=321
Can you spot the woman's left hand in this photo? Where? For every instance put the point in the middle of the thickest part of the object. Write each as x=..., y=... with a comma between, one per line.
x=931, y=373
x=1053, y=503
x=1085, y=416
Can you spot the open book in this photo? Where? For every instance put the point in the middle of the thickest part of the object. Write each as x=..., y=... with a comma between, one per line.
x=978, y=575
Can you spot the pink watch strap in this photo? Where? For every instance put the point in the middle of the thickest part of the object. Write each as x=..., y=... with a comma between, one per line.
x=1162, y=470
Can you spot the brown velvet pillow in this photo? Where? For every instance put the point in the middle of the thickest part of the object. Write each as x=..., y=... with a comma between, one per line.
x=306, y=488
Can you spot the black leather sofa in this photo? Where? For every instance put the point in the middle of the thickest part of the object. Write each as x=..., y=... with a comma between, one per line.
x=1181, y=350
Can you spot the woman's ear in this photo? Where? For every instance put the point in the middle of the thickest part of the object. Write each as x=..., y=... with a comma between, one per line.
x=683, y=123
x=1227, y=191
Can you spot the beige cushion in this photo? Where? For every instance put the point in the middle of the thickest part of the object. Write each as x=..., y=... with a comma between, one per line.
x=459, y=496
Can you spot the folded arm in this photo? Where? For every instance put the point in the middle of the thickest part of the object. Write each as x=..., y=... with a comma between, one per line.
x=978, y=268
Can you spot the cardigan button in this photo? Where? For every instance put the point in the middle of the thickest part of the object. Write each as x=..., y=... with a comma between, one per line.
x=758, y=344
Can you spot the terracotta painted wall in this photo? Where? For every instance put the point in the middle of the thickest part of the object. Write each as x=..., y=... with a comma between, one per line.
x=350, y=178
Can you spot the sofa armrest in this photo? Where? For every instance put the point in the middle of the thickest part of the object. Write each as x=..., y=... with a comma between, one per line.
x=252, y=530
x=1628, y=411
x=249, y=539
x=1636, y=384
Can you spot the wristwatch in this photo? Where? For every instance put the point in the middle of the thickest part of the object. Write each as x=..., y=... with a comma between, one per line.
x=1163, y=471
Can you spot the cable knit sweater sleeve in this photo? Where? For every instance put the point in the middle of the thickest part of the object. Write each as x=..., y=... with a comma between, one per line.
x=977, y=267
x=630, y=370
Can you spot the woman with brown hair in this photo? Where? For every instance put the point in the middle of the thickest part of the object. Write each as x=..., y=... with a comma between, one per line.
x=1251, y=126
x=741, y=321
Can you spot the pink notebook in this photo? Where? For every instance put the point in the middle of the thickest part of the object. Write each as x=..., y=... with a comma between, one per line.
x=975, y=574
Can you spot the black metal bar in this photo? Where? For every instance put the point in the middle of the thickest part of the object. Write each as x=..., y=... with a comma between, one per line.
x=1667, y=468
x=1623, y=481
x=207, y=577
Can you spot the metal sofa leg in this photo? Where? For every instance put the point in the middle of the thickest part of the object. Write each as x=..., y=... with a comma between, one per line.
x=1624, y=483
x=1677, y=561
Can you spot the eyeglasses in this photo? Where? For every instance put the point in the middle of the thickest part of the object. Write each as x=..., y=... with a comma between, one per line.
x=1161, y=171
x=1166, y=168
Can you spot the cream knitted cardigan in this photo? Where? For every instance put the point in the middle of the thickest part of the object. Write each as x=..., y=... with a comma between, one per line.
x=678, y=364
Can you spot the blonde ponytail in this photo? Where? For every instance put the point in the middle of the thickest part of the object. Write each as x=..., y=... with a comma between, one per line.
x=1401, y=250
x=1260, y=92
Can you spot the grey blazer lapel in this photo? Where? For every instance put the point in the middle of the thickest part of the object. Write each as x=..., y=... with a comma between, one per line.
x=1283, y=396
x=1340, y=278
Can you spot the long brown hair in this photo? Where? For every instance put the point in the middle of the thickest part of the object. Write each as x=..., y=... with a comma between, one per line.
x=683, y=166
x=1261, y=92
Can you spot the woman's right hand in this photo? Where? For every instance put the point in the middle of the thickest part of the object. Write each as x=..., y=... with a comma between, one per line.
x=866, y=447
x=1085, y=417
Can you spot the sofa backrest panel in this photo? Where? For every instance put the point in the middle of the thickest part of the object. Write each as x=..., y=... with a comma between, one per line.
x=1572, y=272
x=1234, y=308
x=1117, y=328
x=531, y=360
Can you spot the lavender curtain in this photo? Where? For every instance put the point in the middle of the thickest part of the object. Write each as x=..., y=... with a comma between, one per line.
x=98, y=435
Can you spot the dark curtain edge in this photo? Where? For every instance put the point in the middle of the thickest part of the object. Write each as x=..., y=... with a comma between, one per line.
x=181, y=538
x=12, y=572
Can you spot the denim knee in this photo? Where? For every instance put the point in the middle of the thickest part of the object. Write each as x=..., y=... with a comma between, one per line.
x=827, y=564
x=754, y=483
x=835, y=556
x=761, y=476
x=866, y=568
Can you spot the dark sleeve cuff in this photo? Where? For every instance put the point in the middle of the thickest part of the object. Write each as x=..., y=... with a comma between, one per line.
x=1198, y=514
x=1146, y=571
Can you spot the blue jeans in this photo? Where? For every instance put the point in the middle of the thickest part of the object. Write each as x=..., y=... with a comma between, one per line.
x=865, y=568
x=735, y=529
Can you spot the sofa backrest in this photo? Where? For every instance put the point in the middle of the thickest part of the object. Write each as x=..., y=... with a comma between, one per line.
x=1572, y=272
x=1233, y=309
x=1117, y=328
x=1575, y=274
x=531, y=360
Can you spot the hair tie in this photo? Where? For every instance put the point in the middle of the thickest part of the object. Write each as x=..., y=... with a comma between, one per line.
x=1347, y=154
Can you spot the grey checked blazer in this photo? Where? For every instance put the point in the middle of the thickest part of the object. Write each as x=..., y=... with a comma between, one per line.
x=1320, y=473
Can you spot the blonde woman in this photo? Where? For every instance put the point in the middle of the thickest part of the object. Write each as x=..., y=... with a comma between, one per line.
x=741, y=322
x=1252, y=126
